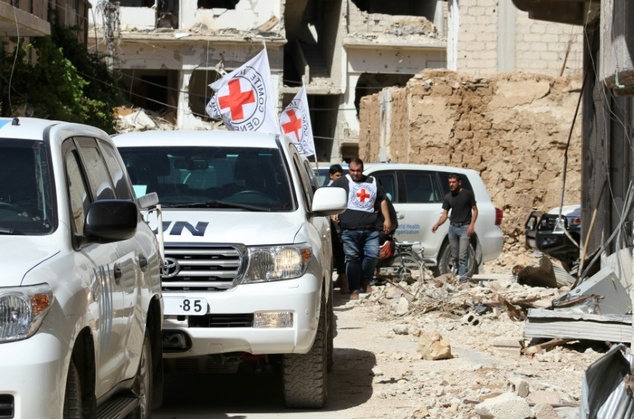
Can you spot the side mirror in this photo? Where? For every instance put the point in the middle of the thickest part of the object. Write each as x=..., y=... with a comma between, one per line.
x=111, y=220
x=149, y=200
x=329, y=200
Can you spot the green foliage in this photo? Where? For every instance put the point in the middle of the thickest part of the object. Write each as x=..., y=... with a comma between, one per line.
x=55, y=77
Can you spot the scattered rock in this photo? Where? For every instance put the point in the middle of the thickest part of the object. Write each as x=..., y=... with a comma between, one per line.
x=504, y=406
x=518, y=386
x=433, y=347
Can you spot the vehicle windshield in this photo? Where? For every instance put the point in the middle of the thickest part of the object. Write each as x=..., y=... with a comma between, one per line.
x=27, y=204
x=253, y=179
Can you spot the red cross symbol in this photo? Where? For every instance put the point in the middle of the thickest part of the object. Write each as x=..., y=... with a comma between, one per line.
x=236, y=99
x=293, y=125
x=362, y=195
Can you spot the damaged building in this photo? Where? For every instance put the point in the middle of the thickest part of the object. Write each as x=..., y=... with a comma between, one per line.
x=169, y=51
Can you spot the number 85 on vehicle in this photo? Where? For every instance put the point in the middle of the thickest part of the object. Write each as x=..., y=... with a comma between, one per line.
x=185, y=306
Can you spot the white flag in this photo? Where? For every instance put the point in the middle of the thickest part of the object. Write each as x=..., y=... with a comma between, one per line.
x=243, y=97
x=295, y=123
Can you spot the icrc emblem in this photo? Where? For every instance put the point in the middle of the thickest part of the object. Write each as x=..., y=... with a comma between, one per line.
x=242, y=102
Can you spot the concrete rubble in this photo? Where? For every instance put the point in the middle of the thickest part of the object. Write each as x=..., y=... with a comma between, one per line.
x=480, y=323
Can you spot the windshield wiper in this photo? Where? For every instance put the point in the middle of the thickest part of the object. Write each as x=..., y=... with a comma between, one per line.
x=212, y=203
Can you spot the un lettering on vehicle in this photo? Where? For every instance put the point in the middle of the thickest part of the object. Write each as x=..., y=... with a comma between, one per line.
x=176, y=228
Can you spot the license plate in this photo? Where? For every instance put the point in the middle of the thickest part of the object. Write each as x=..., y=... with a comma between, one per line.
x=185, y=306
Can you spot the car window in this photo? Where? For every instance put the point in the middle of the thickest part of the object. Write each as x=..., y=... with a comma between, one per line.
x=444, y=182
x=314, y=179
x=96, y=170
x=77, y=193
x=323, y=174
x=306, y=183
x=117, y=172
x=420, y=188
x=27, y=203
x=195, y=175
x=388, y=181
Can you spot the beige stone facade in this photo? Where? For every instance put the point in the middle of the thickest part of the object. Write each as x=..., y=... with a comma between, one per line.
x=513, y=128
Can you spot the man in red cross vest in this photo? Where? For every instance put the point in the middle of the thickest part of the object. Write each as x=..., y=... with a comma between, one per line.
x=358, y=226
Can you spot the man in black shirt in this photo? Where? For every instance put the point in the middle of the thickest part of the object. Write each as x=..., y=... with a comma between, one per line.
x=464, y=213
x=358, y=225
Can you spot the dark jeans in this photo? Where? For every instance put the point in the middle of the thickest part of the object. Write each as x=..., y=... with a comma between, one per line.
x=459, y=242
x=361, y=248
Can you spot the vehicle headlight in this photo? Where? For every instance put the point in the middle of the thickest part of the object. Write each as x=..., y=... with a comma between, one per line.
x=22, y=310
x=274, y=263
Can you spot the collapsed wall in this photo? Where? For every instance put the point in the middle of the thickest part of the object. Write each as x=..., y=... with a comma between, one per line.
x=513, y=128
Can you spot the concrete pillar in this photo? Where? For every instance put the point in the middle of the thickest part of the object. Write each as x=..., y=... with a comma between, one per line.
x=506, y=36
x=385, y=112
x=185, y=119
x=453, y=27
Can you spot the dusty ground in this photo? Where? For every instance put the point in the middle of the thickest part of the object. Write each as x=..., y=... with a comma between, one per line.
x=379, y=372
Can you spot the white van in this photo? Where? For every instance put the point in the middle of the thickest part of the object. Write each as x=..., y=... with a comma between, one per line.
x=417, y=192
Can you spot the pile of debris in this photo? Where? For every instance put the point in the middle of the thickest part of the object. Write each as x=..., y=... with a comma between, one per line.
x=582, y=327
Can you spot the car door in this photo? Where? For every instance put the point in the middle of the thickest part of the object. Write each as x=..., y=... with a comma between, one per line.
x=135, y=257
x=417, y=199
x=116, y=274
x=320, y=225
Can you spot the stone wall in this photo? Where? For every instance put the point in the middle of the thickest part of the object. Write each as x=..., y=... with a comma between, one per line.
x=513, y=128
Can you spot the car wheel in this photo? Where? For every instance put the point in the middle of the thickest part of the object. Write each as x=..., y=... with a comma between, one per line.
x=142, y=387
x=446, y=265
x=305, y=375
x=72, y=395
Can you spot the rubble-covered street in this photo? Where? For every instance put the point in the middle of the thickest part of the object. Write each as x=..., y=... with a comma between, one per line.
x=439, y=349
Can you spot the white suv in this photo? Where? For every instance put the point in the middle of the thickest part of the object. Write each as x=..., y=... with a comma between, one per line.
x=417, y=192
x=247, y=279
x=80, y=294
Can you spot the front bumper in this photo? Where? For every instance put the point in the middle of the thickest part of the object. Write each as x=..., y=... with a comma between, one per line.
x=557, y=245
x=33, y=377
x=301, y=297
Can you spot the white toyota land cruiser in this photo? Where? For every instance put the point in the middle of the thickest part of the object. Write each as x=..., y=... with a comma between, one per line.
x=80, y=294
x=248, y=253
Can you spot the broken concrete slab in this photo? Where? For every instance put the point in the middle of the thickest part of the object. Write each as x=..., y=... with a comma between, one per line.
x=612, y=298
x=569, y=324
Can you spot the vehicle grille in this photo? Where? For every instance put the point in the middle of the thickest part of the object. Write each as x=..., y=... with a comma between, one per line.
x=190, y=267
x=222, y=320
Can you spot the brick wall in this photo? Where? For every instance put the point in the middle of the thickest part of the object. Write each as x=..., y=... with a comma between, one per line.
x=540, y=47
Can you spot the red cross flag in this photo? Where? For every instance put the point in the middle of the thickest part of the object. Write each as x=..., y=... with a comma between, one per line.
x=243, y=97
x=295, y=123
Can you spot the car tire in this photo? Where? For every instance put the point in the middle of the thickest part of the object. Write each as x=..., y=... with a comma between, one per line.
x=72, y=395
x=445, y=264
x=305, y=375
x=142, y=387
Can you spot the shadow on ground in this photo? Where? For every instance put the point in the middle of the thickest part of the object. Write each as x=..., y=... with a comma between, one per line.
x=249, y=394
